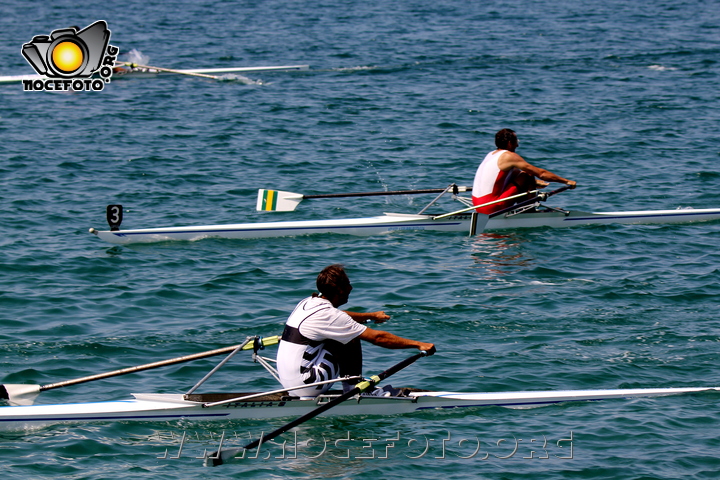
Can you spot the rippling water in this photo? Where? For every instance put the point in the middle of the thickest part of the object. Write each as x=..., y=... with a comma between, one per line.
x=621, y=97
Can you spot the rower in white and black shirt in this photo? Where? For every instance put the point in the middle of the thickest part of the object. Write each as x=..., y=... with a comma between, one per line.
x=321, y=342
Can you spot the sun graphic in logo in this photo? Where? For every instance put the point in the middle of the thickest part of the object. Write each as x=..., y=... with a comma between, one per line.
x=67, y=56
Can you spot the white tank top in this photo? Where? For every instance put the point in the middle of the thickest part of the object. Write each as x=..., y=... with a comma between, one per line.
x=302, y=357
x=487, y=174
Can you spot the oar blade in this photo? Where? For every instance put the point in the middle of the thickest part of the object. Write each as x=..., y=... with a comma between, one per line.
x=277, y=201
x=221, y=456
x=19, y=394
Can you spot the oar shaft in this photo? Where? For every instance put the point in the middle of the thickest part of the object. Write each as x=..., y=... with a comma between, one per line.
x=361, y=387
x=544, y=197
x=148, y=366
x=541, y=196
x=463, y=210
x=169, y=70
x=370, y=194
x=392, y=192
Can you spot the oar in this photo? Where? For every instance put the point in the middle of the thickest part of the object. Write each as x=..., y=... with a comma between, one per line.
x=279, y=201
x=25, y=394
x=222, y=455
x=463, y=210
x=542, y=196
x=160, y=69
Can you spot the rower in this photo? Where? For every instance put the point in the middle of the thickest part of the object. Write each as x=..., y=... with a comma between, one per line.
x=503, y=173
x=321, y=342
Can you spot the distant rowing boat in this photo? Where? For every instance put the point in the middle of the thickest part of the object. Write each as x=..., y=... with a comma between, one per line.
x=529, y=214
x=149, y=72
x=141, y=71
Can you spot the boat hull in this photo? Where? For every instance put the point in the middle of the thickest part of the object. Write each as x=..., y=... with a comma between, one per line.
x=170, y=407
x=398, y=222
x=355, y=226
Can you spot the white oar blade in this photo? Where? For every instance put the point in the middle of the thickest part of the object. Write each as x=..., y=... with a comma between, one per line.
x=19, y=394
x=277, y=201
x=221, y=456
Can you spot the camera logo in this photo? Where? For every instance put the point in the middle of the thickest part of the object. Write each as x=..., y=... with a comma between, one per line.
x=70, y=58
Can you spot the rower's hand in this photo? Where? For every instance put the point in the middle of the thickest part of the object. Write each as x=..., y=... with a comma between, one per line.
x=572, y=184
x=428, y=348
x=541, y=183
x=380, y=317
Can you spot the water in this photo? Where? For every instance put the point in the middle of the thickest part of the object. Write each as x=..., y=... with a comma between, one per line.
x=621, y=97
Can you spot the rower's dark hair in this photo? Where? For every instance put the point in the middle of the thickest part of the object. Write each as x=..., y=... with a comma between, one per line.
x=331, y=279
x=504, y=136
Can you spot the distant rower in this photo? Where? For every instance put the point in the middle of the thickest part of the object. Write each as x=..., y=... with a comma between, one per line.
x=503, y=173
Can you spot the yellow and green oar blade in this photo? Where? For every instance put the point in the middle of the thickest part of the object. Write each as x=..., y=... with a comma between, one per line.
x=277, y=201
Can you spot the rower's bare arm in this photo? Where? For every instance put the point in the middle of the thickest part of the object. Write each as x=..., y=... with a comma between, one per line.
x=363, y=317
x=509, y=160
x=384, y=339
x=546, y=175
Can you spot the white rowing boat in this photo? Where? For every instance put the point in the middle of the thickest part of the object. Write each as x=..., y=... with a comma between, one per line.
x=22, y=414
x=350, y=226
x=170, y=407
x=531, y=214
x=150, y=72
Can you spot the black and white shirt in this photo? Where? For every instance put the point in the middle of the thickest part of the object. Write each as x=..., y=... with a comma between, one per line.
x=302, y=357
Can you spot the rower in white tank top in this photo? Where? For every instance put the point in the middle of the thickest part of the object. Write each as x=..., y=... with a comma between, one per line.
x=503, y=173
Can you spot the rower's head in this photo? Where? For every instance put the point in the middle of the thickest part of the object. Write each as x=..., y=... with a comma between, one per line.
x=334, y=284
x=506, y=139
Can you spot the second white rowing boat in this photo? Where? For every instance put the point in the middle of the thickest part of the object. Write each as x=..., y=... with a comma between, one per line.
x=530, y=213
x=393, y=222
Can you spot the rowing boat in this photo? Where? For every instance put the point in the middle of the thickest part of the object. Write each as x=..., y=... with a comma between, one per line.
x=169, y=407
x=350, y=226
x=393, y=222
x=530, y=214
x=274, y=404
x=149, y=72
